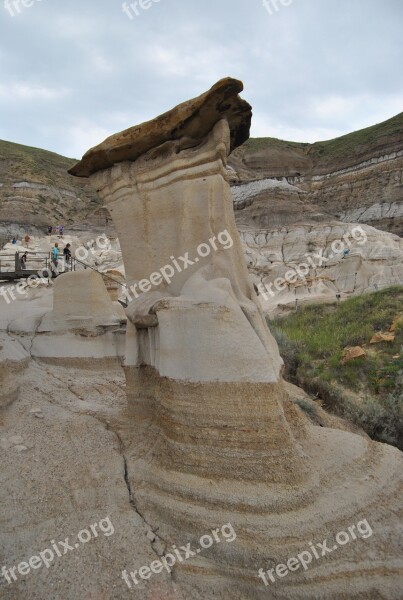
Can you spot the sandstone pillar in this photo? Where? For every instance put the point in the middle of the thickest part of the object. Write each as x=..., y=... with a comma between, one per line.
x=199, y=334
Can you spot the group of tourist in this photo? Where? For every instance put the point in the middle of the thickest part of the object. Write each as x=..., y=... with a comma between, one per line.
x=23, y=259
x=59, y=230
x=56, y=256
x=56, y=252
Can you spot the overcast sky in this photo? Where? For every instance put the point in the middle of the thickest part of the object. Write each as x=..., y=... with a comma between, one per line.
x=73, y=72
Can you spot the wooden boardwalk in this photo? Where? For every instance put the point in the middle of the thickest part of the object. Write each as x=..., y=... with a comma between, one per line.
x=11, y=269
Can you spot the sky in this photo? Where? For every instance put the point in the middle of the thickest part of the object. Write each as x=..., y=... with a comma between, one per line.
x=74, y=72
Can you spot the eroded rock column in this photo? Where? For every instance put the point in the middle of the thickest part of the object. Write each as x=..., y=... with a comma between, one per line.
x=199, y=335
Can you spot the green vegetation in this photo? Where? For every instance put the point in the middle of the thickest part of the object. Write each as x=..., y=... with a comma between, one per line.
x=256, y=144
x=308, y=408
x=23, y=162
x=368, y=390
x=358, y=141
x=332, y=152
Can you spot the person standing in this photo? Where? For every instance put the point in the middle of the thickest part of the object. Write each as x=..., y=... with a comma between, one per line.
x=26, y=240
x=55, y=258
x=67, y=255
x=23, y=260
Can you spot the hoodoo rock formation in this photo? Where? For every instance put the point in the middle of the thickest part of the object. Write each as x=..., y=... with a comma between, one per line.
x=217, y=440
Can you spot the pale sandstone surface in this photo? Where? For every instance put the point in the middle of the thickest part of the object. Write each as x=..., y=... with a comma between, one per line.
x=316, y=271
x=70, y=317
x=80, y=298
x=71, y=475
x=151, y=230
x=13, y=361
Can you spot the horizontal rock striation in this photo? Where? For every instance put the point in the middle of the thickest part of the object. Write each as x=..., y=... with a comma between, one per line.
x=360, y=173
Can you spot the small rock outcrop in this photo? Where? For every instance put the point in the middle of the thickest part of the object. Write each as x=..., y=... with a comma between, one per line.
x=82, y=323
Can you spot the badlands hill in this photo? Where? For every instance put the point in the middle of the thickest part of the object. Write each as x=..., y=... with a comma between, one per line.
x=354, y=178
x=294, y=201
x=35, y=188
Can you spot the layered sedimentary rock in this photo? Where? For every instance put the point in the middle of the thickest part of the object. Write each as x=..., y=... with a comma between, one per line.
x=354, y=178
x=306, y=262
x=36, y=191
x=216, y=439
x=284, y=232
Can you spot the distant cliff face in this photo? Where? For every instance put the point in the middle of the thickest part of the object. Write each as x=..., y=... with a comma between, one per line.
x=354, y=178
x=36, y=190
x=294, y=200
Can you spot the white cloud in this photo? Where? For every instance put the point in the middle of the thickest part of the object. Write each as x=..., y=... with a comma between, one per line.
x=100, y=62
x=82, y=135
x=27, y=91
x=205, y=64
x=333, y=107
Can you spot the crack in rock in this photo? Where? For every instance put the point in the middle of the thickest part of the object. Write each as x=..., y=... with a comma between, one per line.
x=158, y=545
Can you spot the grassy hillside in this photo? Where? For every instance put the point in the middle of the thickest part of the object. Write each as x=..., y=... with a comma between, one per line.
x=35, y=165
x=267, y=143
x=328, y=154
x=71, y=200
x=368, y=390
x=62, y=198
x=358, y=142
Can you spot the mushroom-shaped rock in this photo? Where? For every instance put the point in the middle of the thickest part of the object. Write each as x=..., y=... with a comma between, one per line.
x=189, y=123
